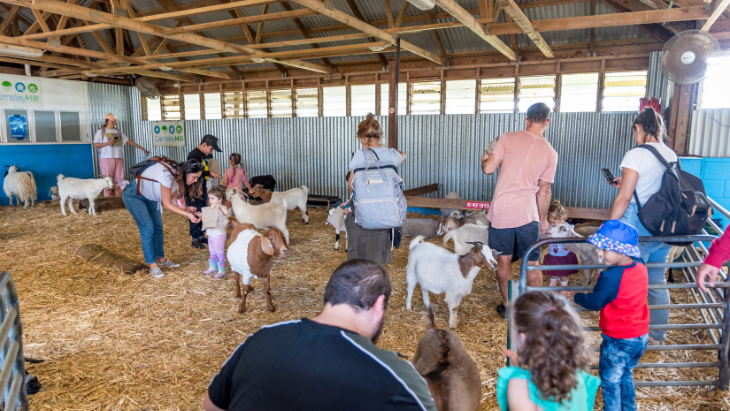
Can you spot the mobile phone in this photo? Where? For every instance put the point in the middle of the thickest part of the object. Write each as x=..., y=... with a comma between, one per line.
x=609, y=176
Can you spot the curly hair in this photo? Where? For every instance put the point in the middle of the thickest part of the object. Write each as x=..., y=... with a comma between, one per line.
x=553, y=349
x=557, y=210
x=218, y=191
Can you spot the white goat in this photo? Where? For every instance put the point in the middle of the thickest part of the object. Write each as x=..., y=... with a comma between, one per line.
x=337, y=220
x=466, y=234
x=587, y=253
x=454, y=213
x=448, y=223
x=70, y=189
x=20, y=184
x=291, y=199
x=261, y=216
x=440, y=271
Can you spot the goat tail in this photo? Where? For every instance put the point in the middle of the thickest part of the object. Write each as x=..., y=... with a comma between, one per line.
x=33, y=189
x=306, y=190
x=430, y=320
x=418, y=240
x=59, y=177
x=449, y=236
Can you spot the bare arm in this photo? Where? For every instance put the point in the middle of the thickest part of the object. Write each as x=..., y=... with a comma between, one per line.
x=490, y=163
x=135, y=145
x=544, y=194
x=208, y=404
x=402, y=154
x=626, y=188
x=518, y=396
x=166, y=194
x=100, y=145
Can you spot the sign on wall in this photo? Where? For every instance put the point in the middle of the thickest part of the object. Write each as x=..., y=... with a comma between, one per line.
x=168, y=134
x=20, y=92
x=18, y=126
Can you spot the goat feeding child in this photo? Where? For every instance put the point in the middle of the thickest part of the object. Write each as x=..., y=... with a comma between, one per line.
x=557, y=253
x=217, y=235
x=547, y=371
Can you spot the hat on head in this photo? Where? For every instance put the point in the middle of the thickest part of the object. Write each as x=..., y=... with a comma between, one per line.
x=212, y=141
x=615, y=235
x=111, y=117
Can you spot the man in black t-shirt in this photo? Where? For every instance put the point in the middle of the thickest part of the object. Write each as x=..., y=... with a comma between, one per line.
x=328, y=362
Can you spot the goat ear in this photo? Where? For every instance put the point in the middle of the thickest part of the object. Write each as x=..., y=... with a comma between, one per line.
x=266, y=245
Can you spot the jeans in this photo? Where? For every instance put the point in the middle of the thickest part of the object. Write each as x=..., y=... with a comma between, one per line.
x=146, y=214
x=652, y=253
x=616, y=369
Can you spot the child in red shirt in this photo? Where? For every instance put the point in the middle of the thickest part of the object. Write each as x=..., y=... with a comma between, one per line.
x=719, y=253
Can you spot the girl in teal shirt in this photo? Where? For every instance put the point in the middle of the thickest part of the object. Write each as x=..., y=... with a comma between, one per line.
x=547, y=372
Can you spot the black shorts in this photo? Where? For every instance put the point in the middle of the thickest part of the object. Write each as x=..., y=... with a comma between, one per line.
x=516, y=241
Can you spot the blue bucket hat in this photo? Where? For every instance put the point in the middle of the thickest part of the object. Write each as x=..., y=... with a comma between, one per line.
x=614, y=235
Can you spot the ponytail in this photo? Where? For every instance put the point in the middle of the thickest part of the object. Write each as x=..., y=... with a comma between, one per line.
x=370, y=128
x=557, y=210
x=652, y=123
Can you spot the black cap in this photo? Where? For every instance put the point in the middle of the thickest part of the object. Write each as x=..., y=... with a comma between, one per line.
x=212, y=141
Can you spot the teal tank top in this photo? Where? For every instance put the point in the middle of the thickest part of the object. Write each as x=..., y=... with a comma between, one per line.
x=582, y=397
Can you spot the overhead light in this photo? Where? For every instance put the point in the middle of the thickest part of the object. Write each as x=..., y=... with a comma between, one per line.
x=259, y=60
x=8, y=50
x=423, y=4
x=165, y=68
x=378, y=48
x=87, y=74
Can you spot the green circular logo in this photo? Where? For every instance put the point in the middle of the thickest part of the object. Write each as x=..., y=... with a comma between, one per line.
x=164, y=127
x=179, y=129
x=32, y=88
x=7, y=85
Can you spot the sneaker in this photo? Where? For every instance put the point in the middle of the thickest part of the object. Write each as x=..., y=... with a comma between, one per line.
x=652, y=341
x=156, y=272
x=168, y=264
x=502, y=310
x=198, y=244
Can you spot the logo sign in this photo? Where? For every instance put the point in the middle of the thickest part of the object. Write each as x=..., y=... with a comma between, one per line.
x=168, y=134
x=18, y=126
x=20, y=92
x=477, y=205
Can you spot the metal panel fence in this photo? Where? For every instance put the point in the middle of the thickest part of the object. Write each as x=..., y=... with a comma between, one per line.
x=440, y=149
x=12, y=373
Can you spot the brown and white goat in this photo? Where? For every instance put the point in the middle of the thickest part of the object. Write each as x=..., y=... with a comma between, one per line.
x=448, y=223
x=251, y=254
x=451, y=374
x=291, y=199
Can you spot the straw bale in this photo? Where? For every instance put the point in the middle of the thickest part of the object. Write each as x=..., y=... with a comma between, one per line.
x=130, y=342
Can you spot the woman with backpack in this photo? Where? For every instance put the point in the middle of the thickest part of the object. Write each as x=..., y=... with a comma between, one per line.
x=162, y=184
x=641, y=178
x=374, y=245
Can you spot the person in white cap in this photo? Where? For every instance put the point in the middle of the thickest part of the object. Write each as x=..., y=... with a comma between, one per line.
x=108, y=141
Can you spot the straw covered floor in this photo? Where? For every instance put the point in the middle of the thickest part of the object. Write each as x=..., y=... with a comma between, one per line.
x=131, y=342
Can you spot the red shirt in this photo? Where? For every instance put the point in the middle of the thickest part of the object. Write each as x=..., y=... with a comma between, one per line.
x=719, y=250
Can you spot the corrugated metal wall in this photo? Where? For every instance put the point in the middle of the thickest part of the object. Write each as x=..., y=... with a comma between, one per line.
x=112, y=98
x=710, y=134
x=657, y=85
x=441, y=149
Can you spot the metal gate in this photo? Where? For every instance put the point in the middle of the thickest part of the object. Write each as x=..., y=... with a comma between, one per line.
x=12, y=374
x=712, y=306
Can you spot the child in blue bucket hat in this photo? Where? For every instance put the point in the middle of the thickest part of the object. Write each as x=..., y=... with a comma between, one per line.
x=620, y=294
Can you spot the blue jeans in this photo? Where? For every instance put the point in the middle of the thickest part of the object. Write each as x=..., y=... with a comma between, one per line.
x=149, y=222
x=616, y=369
x=652, y=253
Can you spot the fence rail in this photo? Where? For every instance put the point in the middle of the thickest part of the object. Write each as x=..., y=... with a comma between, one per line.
x=12, y=374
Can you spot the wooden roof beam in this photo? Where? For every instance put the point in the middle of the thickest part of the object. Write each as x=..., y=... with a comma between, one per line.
x=460, y=14
x=511, y=8
x=720, y=7
x=358, y=15
x=285, y=15
x=9, y=18
x=302, y=28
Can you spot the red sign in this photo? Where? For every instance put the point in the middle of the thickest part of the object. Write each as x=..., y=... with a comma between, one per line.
x=477, y=205
x=392, y=110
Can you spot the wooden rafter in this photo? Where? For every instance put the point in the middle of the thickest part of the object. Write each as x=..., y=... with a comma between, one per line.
x=260, y=28
x=243, y=20
x=511, y=8
x=302, y=29
x=358, y=15
x=658, y=31
x=401, y=15
x=436, y=36
x=720, y=7
x=9, y=18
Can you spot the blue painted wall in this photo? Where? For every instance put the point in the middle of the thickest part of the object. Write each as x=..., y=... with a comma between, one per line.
x=715, y=175
x=46, y=161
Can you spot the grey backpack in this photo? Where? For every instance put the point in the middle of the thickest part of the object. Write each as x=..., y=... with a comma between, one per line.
x=379, y=201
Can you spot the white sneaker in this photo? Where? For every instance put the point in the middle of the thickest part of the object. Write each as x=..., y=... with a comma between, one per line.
x=168, y=264
x=652, y=341
x=156, y=272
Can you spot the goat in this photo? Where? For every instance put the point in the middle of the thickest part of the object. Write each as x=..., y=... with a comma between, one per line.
x=261, y=216
x=465, y=235
x=420, y=226
x=70, y=189
x=587, y=253
x=447, y=223
x=454, y=213
x=20, y=184
x=268, y=182
x=54, y=193
x=292, y=199
x=451, y=374
x=337, y=220
x=440, y=271
x=251, y=254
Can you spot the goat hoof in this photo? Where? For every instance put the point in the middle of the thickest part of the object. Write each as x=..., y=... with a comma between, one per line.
x=241, y=310
x=272, y=308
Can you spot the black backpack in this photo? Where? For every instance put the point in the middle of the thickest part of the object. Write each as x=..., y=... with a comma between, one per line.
x=680, y=207
x=139, y=168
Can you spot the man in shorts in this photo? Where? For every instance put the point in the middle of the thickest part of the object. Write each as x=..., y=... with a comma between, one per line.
x=518, y=213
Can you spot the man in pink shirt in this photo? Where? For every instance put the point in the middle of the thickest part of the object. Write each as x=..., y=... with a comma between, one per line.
x=518, y=213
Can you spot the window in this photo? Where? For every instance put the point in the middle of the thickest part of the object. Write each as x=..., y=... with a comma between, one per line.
x=426, y=97
x=497, y=95
x=170, y=107
x=154, y=110
x=17, y=126
x=460, y=96
x=45, y=126
x=535, y=90
x=578, y=92
x=233, y=101
x=212, y=106
x=257, y=103
x=715, y=88
x=281, y=103
x=334, y=101
x=385, y=99
x=622, y=91
x=192, y=106
x=307, y=102
x=362, y=100
x=70, y=126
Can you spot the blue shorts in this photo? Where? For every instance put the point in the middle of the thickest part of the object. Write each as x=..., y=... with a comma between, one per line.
x=516, y=241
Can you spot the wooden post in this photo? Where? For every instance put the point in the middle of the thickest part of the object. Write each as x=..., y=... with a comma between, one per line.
x=601, y=86
x=394, y=69
x=679, y=118
x=442, y=96
x=377, y=95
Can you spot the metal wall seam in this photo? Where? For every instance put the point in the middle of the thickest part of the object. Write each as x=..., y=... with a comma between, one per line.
x=710, y=133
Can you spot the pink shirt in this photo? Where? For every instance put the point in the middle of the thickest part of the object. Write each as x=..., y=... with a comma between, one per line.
x=234, y=177
x=526, y=158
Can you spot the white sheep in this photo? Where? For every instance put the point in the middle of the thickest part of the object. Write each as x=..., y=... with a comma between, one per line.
x=466, y=234
x=337, y=220
x=70, y=189
x=291, y=199
x=587, y=253
x=440, y=271
x=261, y=216
x=20, y=184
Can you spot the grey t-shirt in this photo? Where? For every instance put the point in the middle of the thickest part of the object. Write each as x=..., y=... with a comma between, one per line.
x=385, y=154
